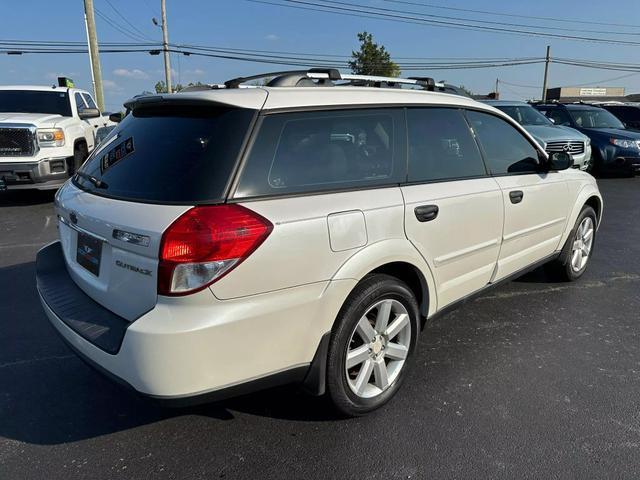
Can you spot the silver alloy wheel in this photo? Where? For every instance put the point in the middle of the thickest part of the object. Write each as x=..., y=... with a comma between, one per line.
x=378, y=348
x=582, y=243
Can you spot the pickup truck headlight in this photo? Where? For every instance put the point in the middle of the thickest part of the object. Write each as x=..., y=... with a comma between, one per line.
x=50, y=137
x=630, y=144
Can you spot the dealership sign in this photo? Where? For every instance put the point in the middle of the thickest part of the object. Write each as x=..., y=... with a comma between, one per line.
x=593, y=92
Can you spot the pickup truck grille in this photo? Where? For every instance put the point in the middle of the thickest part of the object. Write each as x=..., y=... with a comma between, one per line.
x=574, y=148
x=16, y=142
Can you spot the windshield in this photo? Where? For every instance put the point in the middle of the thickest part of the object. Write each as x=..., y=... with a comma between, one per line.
x=595, y=118
x=32, y=101
x=525, y=115
x=179, y=155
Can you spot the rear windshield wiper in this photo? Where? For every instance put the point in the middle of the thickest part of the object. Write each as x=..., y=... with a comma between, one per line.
x=98, y=183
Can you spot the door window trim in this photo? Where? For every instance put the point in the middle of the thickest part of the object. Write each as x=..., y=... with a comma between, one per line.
x=260, y=117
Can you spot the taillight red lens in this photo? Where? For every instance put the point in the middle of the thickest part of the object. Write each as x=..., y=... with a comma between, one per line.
x=211, y=240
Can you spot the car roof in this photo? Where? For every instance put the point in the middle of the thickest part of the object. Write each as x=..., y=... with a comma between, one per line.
x=277, y=98
x=569, y=106
x=41, y=88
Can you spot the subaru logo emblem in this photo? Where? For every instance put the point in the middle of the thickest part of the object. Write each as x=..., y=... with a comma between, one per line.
x=73, y=217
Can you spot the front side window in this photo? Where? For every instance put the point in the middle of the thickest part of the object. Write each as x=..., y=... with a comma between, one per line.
x=89, y=101
x=506, y=150
x=441, y=146
x=595, y=118
x=315, y=151
x=79, y=102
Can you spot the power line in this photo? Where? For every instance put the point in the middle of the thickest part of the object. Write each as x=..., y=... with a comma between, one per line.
x=120, y=28
x=144, y=35
x=402, y=17
x=511, y=15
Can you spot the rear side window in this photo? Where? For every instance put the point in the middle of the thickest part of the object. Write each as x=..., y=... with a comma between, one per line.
x=315, y=151
x=170, y=155
x=506, y=150
x=441, y=146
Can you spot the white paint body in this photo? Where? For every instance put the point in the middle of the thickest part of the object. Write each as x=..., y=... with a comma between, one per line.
x=269, y=314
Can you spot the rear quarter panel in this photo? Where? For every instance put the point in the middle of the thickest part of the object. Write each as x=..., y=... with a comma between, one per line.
x=312, y=239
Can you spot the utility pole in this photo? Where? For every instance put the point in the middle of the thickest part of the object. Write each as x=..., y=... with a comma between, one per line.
x=165, y=45
x=94, y=53
x=497, y=95
x=546, y=73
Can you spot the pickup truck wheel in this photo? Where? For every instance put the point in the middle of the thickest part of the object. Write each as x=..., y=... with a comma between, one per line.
x=371, y=345
x=80, y=154
x=578, y=248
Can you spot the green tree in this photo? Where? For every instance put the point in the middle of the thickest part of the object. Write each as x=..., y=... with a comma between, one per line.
x=466, y=90
x=161, y=87
x=372, y=59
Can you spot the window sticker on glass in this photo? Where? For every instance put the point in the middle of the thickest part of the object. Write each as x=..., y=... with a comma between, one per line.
x=116, y=154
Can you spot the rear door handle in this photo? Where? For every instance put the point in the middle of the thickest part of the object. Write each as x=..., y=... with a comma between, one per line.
x=426, y=213
x=516, y=196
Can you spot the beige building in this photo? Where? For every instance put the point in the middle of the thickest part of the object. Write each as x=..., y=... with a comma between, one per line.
x=587, y=94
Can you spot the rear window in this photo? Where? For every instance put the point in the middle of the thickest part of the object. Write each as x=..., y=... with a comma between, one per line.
x=320, y=151
x=176, y=155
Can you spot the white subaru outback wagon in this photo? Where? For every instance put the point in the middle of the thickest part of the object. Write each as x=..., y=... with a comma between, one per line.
x=230, y=239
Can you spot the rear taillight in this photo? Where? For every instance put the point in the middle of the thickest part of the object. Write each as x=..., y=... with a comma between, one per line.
x=205, y=243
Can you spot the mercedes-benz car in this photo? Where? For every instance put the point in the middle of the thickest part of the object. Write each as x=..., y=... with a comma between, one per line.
x=553, y=138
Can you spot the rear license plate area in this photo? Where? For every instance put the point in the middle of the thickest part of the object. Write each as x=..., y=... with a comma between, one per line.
x=89, y=253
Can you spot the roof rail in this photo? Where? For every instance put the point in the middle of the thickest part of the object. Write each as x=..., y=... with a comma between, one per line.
x=327, y=77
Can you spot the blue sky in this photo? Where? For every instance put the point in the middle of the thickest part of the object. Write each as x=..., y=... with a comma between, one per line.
x=241, y=24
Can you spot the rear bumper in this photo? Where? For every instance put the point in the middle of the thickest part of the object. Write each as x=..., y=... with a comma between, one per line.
x=196, y=348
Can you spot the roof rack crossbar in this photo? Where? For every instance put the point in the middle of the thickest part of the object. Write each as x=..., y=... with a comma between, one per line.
x=236, y=82
x=332, y=75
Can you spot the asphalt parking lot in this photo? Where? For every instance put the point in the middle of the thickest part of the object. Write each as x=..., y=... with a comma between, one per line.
x=532, y=380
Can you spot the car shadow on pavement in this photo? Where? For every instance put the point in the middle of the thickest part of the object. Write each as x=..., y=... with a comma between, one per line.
x=18, y=198
x=49, y=396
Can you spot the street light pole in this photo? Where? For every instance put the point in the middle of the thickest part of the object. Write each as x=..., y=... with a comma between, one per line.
x=546, y=73
x=165, y=45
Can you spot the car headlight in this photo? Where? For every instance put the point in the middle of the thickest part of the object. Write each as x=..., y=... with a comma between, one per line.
x=588, y=142
x=50, y=137
x=618, y=142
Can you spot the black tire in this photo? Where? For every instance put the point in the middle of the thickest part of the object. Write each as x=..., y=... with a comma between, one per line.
x=595, y=163
x=80, y=154
x=562, y=268
x=370, y=291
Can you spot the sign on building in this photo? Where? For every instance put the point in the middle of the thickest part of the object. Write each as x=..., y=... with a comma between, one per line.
x=593, y=92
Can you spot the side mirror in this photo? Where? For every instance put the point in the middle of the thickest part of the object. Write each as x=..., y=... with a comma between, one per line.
x=116, y=117
x=89, y=113
x=560, y=161
x=551, y=120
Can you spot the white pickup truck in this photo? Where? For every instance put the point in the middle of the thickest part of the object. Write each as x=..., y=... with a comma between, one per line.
x=46, y=133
